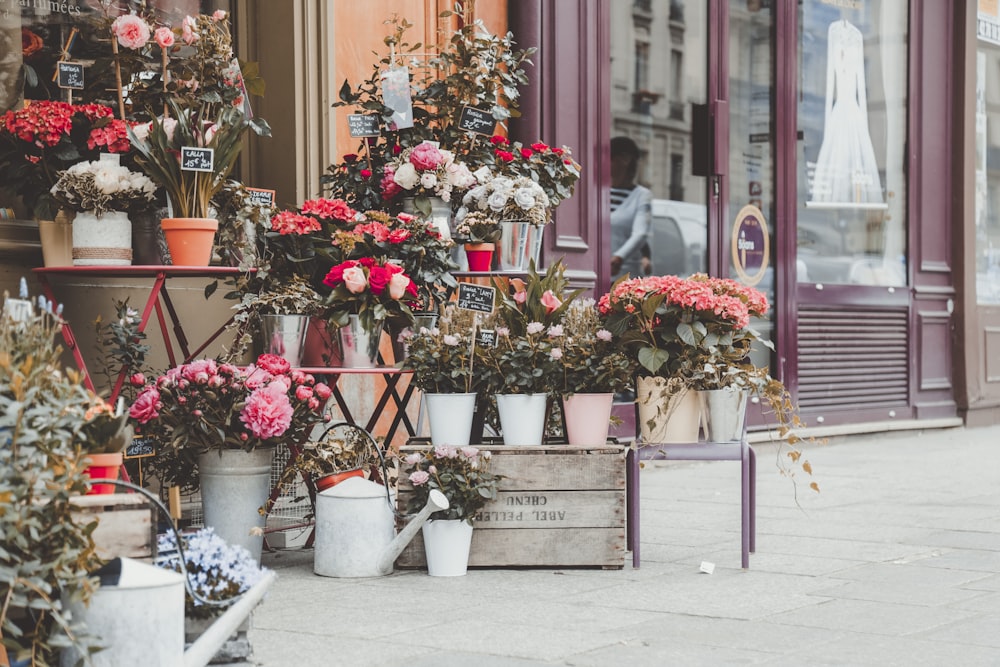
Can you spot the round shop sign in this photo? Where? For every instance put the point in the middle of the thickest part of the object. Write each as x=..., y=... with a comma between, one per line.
x=751, y=245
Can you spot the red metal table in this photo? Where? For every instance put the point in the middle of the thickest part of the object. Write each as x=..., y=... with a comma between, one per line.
x=158, y=299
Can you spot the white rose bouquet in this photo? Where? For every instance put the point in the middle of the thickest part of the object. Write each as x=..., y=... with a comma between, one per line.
x=102, y=186
x=507, y=199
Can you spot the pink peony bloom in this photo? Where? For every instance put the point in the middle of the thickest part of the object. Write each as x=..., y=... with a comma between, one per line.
x=303, y=393
x=323, y=391
x=137, y=379
x=426, y=157
x=131, y=31
x=145, y=406
x=164, y=37
x=419, y=477
x=268, y=412
x=274, y=364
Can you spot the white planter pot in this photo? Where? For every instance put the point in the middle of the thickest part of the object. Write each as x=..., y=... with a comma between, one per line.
x=522, y=419
x=723, y=412
x=450, y=417
x=446, y=546
x=102, y=241
x=588, y=418
x=667, y=415
x=234, y=485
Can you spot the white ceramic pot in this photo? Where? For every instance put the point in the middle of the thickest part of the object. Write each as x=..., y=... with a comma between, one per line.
x=102, y=241
x=667, y=414
x=588, y=418
x=450, y=417
x=446, y=545
x=522, y=419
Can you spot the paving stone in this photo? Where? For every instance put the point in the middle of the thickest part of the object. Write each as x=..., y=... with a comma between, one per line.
x=880, y=618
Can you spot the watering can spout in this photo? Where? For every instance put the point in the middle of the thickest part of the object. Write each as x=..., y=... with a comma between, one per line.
x=435, y=503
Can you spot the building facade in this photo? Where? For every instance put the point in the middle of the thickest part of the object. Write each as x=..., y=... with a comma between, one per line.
x=840, y=155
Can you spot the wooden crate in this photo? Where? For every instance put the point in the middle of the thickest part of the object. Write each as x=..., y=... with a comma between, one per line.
x=126, y=524
x=558, y=506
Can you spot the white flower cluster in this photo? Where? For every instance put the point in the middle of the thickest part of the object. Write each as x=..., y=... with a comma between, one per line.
x=218, y=571
x=101, y=186
x=507, y=199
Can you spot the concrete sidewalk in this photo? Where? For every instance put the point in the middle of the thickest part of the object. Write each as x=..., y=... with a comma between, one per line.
x=895, y=562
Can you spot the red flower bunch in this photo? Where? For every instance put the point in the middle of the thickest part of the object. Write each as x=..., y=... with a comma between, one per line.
x=375, y=291
x=552, y=168
x=204, y=405
x=675, y=326
x=53, y=136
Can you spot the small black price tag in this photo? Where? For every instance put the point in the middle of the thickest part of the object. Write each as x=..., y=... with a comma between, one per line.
x=486, y=338
x=476, y=297
x=261, y=197
x=197, y=159
x=364, y=125
x=477, y=120
x=140, y=448
x=70, y=75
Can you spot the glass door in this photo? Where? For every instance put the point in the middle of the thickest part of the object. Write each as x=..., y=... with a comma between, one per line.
x=659, y=106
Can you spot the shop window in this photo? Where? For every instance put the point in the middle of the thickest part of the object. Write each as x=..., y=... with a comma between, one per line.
x=987, y=156
x=852, y=123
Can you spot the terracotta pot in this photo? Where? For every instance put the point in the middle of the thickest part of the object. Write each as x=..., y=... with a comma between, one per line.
x=190, y=240
x=480, y=255
x=103, y=466
x=327, y=481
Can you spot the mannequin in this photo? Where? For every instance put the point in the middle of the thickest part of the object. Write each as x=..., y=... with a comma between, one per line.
x=846, y=170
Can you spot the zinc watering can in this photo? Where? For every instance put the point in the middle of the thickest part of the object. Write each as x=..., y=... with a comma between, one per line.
x=356, y=529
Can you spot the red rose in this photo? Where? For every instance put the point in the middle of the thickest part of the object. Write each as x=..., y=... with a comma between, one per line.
x=336, y=275
x=368, y=262
x=366, y=173
x=378, y=278
x=506, y=156
x=527, y=153
x=397, y=149
x=558, y=151
x=350, y=157
x=539, y=147
x=498, y=140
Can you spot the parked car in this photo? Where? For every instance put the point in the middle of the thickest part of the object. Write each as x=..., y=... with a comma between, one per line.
x=679, y=238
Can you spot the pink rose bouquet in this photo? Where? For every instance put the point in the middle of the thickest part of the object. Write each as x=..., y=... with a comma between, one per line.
x=696, y=328
x=204, y=405
x=374, y=291
x=462, y=474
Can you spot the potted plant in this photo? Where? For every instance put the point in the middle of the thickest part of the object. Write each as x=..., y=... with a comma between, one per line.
x=444, y=369
x=228, y=420
x=428, y=177
x=479, y=231
x=219, y=574
x=463, y=475
x=202, y=108
x=592, y=369
x=102, y=193
x=365, y=293
x=521, y=207
x=47, y=552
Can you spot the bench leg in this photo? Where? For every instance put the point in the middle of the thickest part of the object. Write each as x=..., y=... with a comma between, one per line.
x=753, y=501
x=632, y=505
x=745, y=506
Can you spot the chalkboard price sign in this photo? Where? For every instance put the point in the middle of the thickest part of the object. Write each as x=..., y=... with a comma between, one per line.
x=486, y=338
x=363, y=125
x=477, y=120
x=261, y=197
x=70, y=75
x=140, y=448
x=197, y=159
x=475, y=297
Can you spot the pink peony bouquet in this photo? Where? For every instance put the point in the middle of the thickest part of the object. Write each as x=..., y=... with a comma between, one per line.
x=425, y=171
x=204, y=405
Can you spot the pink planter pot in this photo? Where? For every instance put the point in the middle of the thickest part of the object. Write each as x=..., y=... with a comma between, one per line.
x=588, y=418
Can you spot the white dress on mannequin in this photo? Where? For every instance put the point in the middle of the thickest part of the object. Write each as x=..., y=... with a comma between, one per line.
x=846, y=170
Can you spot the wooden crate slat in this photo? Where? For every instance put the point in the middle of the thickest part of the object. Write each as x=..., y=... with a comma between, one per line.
x=537, y=547
x=125, y=525
x=549, y=509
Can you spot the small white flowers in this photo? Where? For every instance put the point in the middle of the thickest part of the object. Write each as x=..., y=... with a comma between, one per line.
x=450, y=340
x=511, y=199
x=101, y=186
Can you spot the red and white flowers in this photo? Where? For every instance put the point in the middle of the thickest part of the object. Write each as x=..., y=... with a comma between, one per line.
x=428, y=171
x=373, y=290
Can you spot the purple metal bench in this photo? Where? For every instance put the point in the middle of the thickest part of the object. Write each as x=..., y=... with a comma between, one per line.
x=737, y=450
